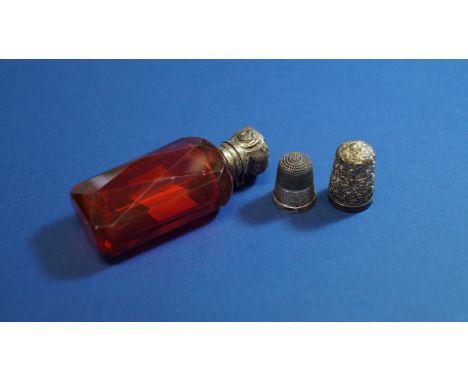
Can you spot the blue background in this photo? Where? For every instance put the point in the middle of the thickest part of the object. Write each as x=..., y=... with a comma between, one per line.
x=406, y=258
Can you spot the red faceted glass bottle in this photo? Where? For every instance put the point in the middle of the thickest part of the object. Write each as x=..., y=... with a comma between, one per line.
x=177, y=184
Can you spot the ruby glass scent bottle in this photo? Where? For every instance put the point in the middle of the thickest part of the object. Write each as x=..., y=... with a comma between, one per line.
x=177, y=184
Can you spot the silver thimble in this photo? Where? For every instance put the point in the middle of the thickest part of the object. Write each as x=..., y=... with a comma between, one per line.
x=294, y=188
x=352, y=180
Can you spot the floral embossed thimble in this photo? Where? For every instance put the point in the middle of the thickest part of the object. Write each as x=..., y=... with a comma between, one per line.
x=352, y=180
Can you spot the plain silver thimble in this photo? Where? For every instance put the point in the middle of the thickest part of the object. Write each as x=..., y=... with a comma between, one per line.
x=352, y=179
x=294, y=188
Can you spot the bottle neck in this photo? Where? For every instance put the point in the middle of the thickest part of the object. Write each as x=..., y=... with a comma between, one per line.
x=234, y=163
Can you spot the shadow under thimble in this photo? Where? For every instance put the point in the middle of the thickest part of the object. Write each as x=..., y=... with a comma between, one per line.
x=262, y=211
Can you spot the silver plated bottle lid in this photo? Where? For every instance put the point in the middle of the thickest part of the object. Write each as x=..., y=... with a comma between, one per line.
x=351, y=185
x=294, y=188
x=246, y=154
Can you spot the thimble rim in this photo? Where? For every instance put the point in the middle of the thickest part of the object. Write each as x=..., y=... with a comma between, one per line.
x=345, y=208
x=293, y=209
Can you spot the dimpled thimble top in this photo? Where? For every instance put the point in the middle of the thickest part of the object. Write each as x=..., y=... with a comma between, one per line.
x=294, y=172
x=352, y=180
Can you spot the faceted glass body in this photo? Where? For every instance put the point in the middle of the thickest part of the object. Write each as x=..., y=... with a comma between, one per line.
x=145, y=198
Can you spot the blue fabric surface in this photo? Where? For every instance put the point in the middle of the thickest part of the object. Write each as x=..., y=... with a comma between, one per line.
x=406, y=258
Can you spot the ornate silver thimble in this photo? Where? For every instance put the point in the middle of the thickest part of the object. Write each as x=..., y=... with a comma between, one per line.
x=294, y=188
x=352, y=180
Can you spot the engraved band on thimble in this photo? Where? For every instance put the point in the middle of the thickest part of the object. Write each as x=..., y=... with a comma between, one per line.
x=294, y=188
x=352, y=179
